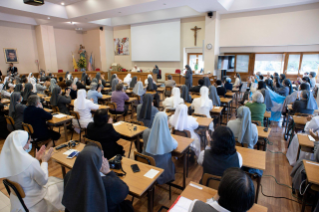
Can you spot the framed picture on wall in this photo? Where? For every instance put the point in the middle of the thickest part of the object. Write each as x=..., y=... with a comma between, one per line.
x=10, y=55
x=121, y=46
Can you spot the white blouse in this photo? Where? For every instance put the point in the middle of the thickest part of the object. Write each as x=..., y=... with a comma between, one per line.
x=202, y=110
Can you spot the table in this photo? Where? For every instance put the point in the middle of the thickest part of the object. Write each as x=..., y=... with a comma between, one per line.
x=59, y=121
x=226, y=101
x=203, y=121
x=312, y=170
x=138, y=184
x=205, y=193
x=42, y=95
x=304, y=144
x=231, y=94
x=264, y=135
x=106, y=90
x=217, y=110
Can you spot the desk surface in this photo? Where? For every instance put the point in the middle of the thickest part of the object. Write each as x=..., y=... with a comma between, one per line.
x=5, y=101
x=305, y=141
x=183, y=143
x=217, y=109
x=55, y=120
x=131, y=99
x=300, y=120
x=126, y=129
x=107, y=89
x=225, y=100
x=229, y=93
x=136, y=182
x=267, y=114
x=160, y=89
x=252, y=158
x=203, y=121
x=312, y=170
x=106, y=97
x=262, y=133
x=205, y=193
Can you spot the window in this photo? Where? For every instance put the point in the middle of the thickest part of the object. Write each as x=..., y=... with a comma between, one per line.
x=269, y=63
x=293, y=63
x=195, y=61
x=310, y=62
x=242, y=63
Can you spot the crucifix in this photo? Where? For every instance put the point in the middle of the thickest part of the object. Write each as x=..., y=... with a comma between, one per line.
x=195, y=34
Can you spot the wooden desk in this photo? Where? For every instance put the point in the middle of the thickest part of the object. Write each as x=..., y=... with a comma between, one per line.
x=301, y=120
x=158, y=84
x=267, y=116
x=252, y=158
x=160, y=89
x=5, y=101
x=59, y=121
x=106, y=90
x=312, y=170
x=138, y=184
x=151, y=92
x=203, y=121
x=131, y=102
x=304, y=144
x=217, y=110
x=105, y=97
x=47, y=110
x=232, y=95
x=41, y=95
x=205, y=193
x=263, y=135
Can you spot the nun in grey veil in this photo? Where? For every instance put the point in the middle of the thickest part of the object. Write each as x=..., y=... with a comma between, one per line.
x=267, y=100
x=133, y=82
x=14, y=98
x=185, y=94
x=214, y=96
x=113, y=77
x=207, y=82
x=115, y=81
x=52, y=84
x=146, y=111
x=159, y=144
x=139, y=90
x=311, y=102
x=243, y=129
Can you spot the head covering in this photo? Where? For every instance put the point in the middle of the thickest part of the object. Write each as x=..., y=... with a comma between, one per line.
x=261, y=85
x=127, y=78
x=287, y=83
x=133, y=82
x=75, y=80
x=29, y=77
x=180, y=117
x=311, y=102
x=185, y=93
x=139, y=89
x=93, y=86
x=160, y=140
x=228, y=79
x=204, y=99
x=150, y=83
x=258, y=97
x=66, y=75
x=14, y=98
x=52, y=84
x=267, y=98
x=115, y=81
x=83, y=77
x=156, y=68
x=282, y=77
x=176, y=94
x=69, y=76
x=146, y=110
x=27, y=91
x=305, y=86
x=34, y=84
x=80, y=100
x=245, y=131
x=214, y=96
x=13, y=158
x=84, y=190
x=55, y=96
x=278, y=84
x=207, y=82
x=188, y=68
x=98, y=76
x=18, y=87
x=113, y=77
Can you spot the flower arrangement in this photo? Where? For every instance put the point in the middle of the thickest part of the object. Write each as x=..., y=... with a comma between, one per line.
x=82, y=63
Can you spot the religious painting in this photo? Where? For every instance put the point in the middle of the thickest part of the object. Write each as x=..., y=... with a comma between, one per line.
x=121, y=46
x=10, y=55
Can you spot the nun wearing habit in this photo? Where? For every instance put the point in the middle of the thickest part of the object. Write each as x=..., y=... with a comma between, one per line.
x=173, y=101
x=139, y=90
x=146, y=111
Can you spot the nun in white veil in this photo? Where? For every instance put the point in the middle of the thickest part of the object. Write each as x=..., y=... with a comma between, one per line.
x=182, y=121
x=43, y=193
x=245, y=131
x=139, y=90
x=83, y=106
x=159, y=143
x=127, y=79
x=173, y=101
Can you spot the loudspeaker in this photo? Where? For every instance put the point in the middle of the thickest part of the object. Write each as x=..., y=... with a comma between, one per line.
x=223, y=73
x=210, y=14
x=101, y=28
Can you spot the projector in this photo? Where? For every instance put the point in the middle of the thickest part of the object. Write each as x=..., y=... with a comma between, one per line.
x=34, y=2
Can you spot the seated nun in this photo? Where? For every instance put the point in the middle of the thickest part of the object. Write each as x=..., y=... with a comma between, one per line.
x=146, y=80
x=257, y=107
x=236, y=192
x=61, y=101
x=173, y=101
x=16, y=110
x=100, y=79
x=133, y=82
x=83, y=106
x=245, y=131
x=306, y=104
x=214, y=96
x=28, y=87
x=127, y=79
x=207, y=82
x=311, y=127
x=151, y=86
x=198, y=87
x=228, y=86
x=43, y=193
x=119, y=97
x=159, y=143
x=220, y=153
x=180, y=120
x=96, y=132
x=52, y=84
x=95, y=92
x=284, y=90
x=185, y=94
x=78, y=84
x=139, y=90
x=41, y=88
x=73, y=89
x=114, y=83
x=146, y=111
x=91, y=186
x=221, y=90
x=262, y=87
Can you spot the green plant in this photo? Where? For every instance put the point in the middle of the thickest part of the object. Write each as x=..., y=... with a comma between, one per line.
x=82, y=62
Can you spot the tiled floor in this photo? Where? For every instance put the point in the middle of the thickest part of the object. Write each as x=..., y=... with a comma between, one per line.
x=4, y=203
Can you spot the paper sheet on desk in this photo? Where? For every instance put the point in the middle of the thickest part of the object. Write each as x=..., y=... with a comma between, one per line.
x=59, y=115
x=151, y=173
x=117, y=123
x=69, y=151
x=182, y=205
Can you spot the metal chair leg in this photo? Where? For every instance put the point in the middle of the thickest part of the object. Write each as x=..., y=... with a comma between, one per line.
x=129, y=153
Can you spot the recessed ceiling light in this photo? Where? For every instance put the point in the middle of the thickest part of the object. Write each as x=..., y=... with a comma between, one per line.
x=119, y=12
x=62, y=3
x=164, y=4
x=48, y=17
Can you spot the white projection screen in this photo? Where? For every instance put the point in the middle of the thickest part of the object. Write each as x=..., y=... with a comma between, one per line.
x=157, y=41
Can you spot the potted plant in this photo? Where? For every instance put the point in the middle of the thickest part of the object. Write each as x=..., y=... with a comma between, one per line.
x=82, y=63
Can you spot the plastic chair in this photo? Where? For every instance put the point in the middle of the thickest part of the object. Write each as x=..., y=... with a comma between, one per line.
x=211, y=181
x=18, y=191
x=10, y=122
x=167, y=91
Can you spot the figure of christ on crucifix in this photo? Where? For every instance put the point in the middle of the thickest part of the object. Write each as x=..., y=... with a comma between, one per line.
x=195, y=34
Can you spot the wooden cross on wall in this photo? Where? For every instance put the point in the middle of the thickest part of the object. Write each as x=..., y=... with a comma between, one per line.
x=195, y=34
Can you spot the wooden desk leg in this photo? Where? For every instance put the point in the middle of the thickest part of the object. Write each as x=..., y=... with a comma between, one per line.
x=150, y=194
x=299, y=148
x=65, y=132
x=184, y=169
x=257, y=190
x=63, y=171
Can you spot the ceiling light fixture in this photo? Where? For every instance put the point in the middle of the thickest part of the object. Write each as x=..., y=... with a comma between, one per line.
x=62, y=3
x=164, y=4
x=49, y=18
x=119, y=12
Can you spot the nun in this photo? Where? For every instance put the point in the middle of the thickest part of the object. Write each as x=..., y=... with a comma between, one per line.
x=114, y=83
x=188, y=77
x=133, y=82
x=62, y=102
x=207, y=82
x=294, y=96
x=66, y=75
x=228, y=85
x=83, y=106
x=146, y=80
x=78, y=84
x=128, y=79
x=237, y=80
x=214, y=96
x=151, y=86
x=69, y=76
x=43, y=193
x=185, y=94
x=173, y=101
x=16, y=110
x=146, y=111
x=98, y=77
x=181, y=121
x=113, y=77
x=84, y=78
x=159, y=143
x=262, y=87
x=52, y=84
x=282, y=77
x=41, y=88
x=139, y=90
x=18, y=88
x=27, y=92
x=34, y=85
x=245, y=131
x=257, y=107
x=306, y=104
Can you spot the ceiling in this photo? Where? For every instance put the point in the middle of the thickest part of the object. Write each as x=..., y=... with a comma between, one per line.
x=90, y=14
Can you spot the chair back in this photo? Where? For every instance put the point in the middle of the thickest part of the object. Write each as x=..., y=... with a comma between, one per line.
x=112, y=105
x=302, y=114
x=55, y=109
x=92, y=141
x=75, y=114
x=199, y=115
x=258, y=123
x=168, y=91
x=211, y=181
x=28, y=128
x=144, y=158
x=184, y=133
x=17, y=190
x=10, y=121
